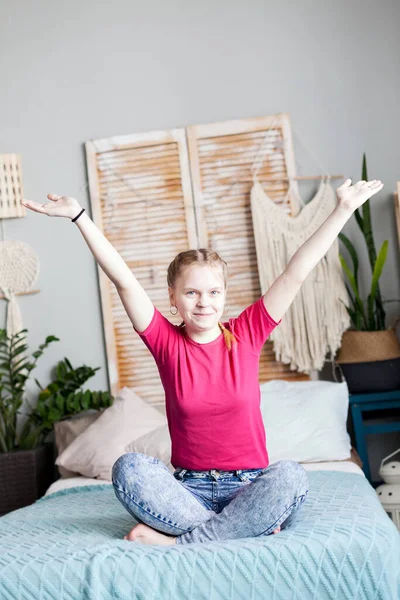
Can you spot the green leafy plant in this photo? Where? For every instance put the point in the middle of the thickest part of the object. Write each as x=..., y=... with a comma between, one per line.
x=369, y=316
x=61, y=399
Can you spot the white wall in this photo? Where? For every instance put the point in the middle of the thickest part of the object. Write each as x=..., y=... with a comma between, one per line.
x=87, y=70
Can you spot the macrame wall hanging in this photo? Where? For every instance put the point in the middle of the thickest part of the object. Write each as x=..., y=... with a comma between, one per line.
x=19, y=270
x=19, y=263
x=317, y=318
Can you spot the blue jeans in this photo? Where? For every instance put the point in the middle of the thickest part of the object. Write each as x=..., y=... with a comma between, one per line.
x=201, y=506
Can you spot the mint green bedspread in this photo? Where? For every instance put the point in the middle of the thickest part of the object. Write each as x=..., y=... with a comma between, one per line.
x=68, y=545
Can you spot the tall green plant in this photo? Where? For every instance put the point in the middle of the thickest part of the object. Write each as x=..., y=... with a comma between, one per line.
x=62, y=398
x=370, y=317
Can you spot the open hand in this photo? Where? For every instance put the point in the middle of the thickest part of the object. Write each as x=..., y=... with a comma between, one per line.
x=353, y=196
x=60, y=206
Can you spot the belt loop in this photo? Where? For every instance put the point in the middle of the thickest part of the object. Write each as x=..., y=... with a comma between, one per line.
x=241, y=476
x=181, y=473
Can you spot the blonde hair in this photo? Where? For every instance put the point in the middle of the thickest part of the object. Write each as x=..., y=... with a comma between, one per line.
x=206, y=257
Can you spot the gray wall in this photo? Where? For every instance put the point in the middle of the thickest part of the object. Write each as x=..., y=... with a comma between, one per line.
x=86, y=70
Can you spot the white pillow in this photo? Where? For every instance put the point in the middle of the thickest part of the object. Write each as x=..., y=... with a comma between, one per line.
x=67, y=430
x=96, y=449
x=305, y=421
x=156, y=443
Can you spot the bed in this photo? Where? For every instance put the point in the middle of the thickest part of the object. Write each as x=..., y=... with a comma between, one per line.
x=69, y=544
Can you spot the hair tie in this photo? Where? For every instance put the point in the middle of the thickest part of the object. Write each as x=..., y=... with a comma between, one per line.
x=73, y=220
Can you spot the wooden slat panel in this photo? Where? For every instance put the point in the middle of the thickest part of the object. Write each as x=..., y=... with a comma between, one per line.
x=221, y=159
x=141, y=199
x=11, y=187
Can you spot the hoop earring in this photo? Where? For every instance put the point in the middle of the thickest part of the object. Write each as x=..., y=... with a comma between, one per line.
x=227, y=310
x=172, y=312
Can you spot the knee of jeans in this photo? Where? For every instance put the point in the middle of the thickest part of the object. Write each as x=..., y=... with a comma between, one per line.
x=128, y=462
x=295, y=472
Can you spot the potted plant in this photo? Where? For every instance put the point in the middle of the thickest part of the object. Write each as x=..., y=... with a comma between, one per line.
x=27, y=459
x=369, y=355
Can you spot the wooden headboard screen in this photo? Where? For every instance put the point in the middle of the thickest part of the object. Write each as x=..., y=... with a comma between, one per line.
x=156, y=194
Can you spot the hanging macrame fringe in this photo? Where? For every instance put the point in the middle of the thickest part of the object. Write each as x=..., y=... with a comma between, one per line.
x=317, y=318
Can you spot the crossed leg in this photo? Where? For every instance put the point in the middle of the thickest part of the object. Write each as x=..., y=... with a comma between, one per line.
x=170, y=514
x=150, y=493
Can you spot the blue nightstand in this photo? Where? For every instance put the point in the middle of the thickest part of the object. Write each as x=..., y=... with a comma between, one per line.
x=377, y=401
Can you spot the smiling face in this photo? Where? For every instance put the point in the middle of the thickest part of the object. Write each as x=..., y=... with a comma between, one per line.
x=199, y=295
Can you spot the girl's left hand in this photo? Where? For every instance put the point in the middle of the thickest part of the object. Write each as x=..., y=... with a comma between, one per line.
x=353, y=196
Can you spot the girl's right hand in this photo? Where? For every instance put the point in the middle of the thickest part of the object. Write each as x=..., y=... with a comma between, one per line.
x=60, y=206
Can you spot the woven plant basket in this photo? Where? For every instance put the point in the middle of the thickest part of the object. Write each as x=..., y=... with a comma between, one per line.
x=25, y=476
x=370, y=361
x=368, y=346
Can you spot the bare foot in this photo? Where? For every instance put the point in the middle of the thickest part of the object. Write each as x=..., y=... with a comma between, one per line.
x=277, y=530
x=143, y=534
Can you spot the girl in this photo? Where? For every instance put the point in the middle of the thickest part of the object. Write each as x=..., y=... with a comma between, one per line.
x=223, y=486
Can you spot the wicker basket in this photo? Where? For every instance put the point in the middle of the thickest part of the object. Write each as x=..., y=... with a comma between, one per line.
x=368, y=346
x=25, y=476
x=370, y=361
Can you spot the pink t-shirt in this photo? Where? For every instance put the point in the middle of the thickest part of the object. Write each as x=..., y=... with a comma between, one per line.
x=212, y=395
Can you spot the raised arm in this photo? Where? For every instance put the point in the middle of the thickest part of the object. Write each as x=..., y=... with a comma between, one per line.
x=137, y=303
x=283, y=291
